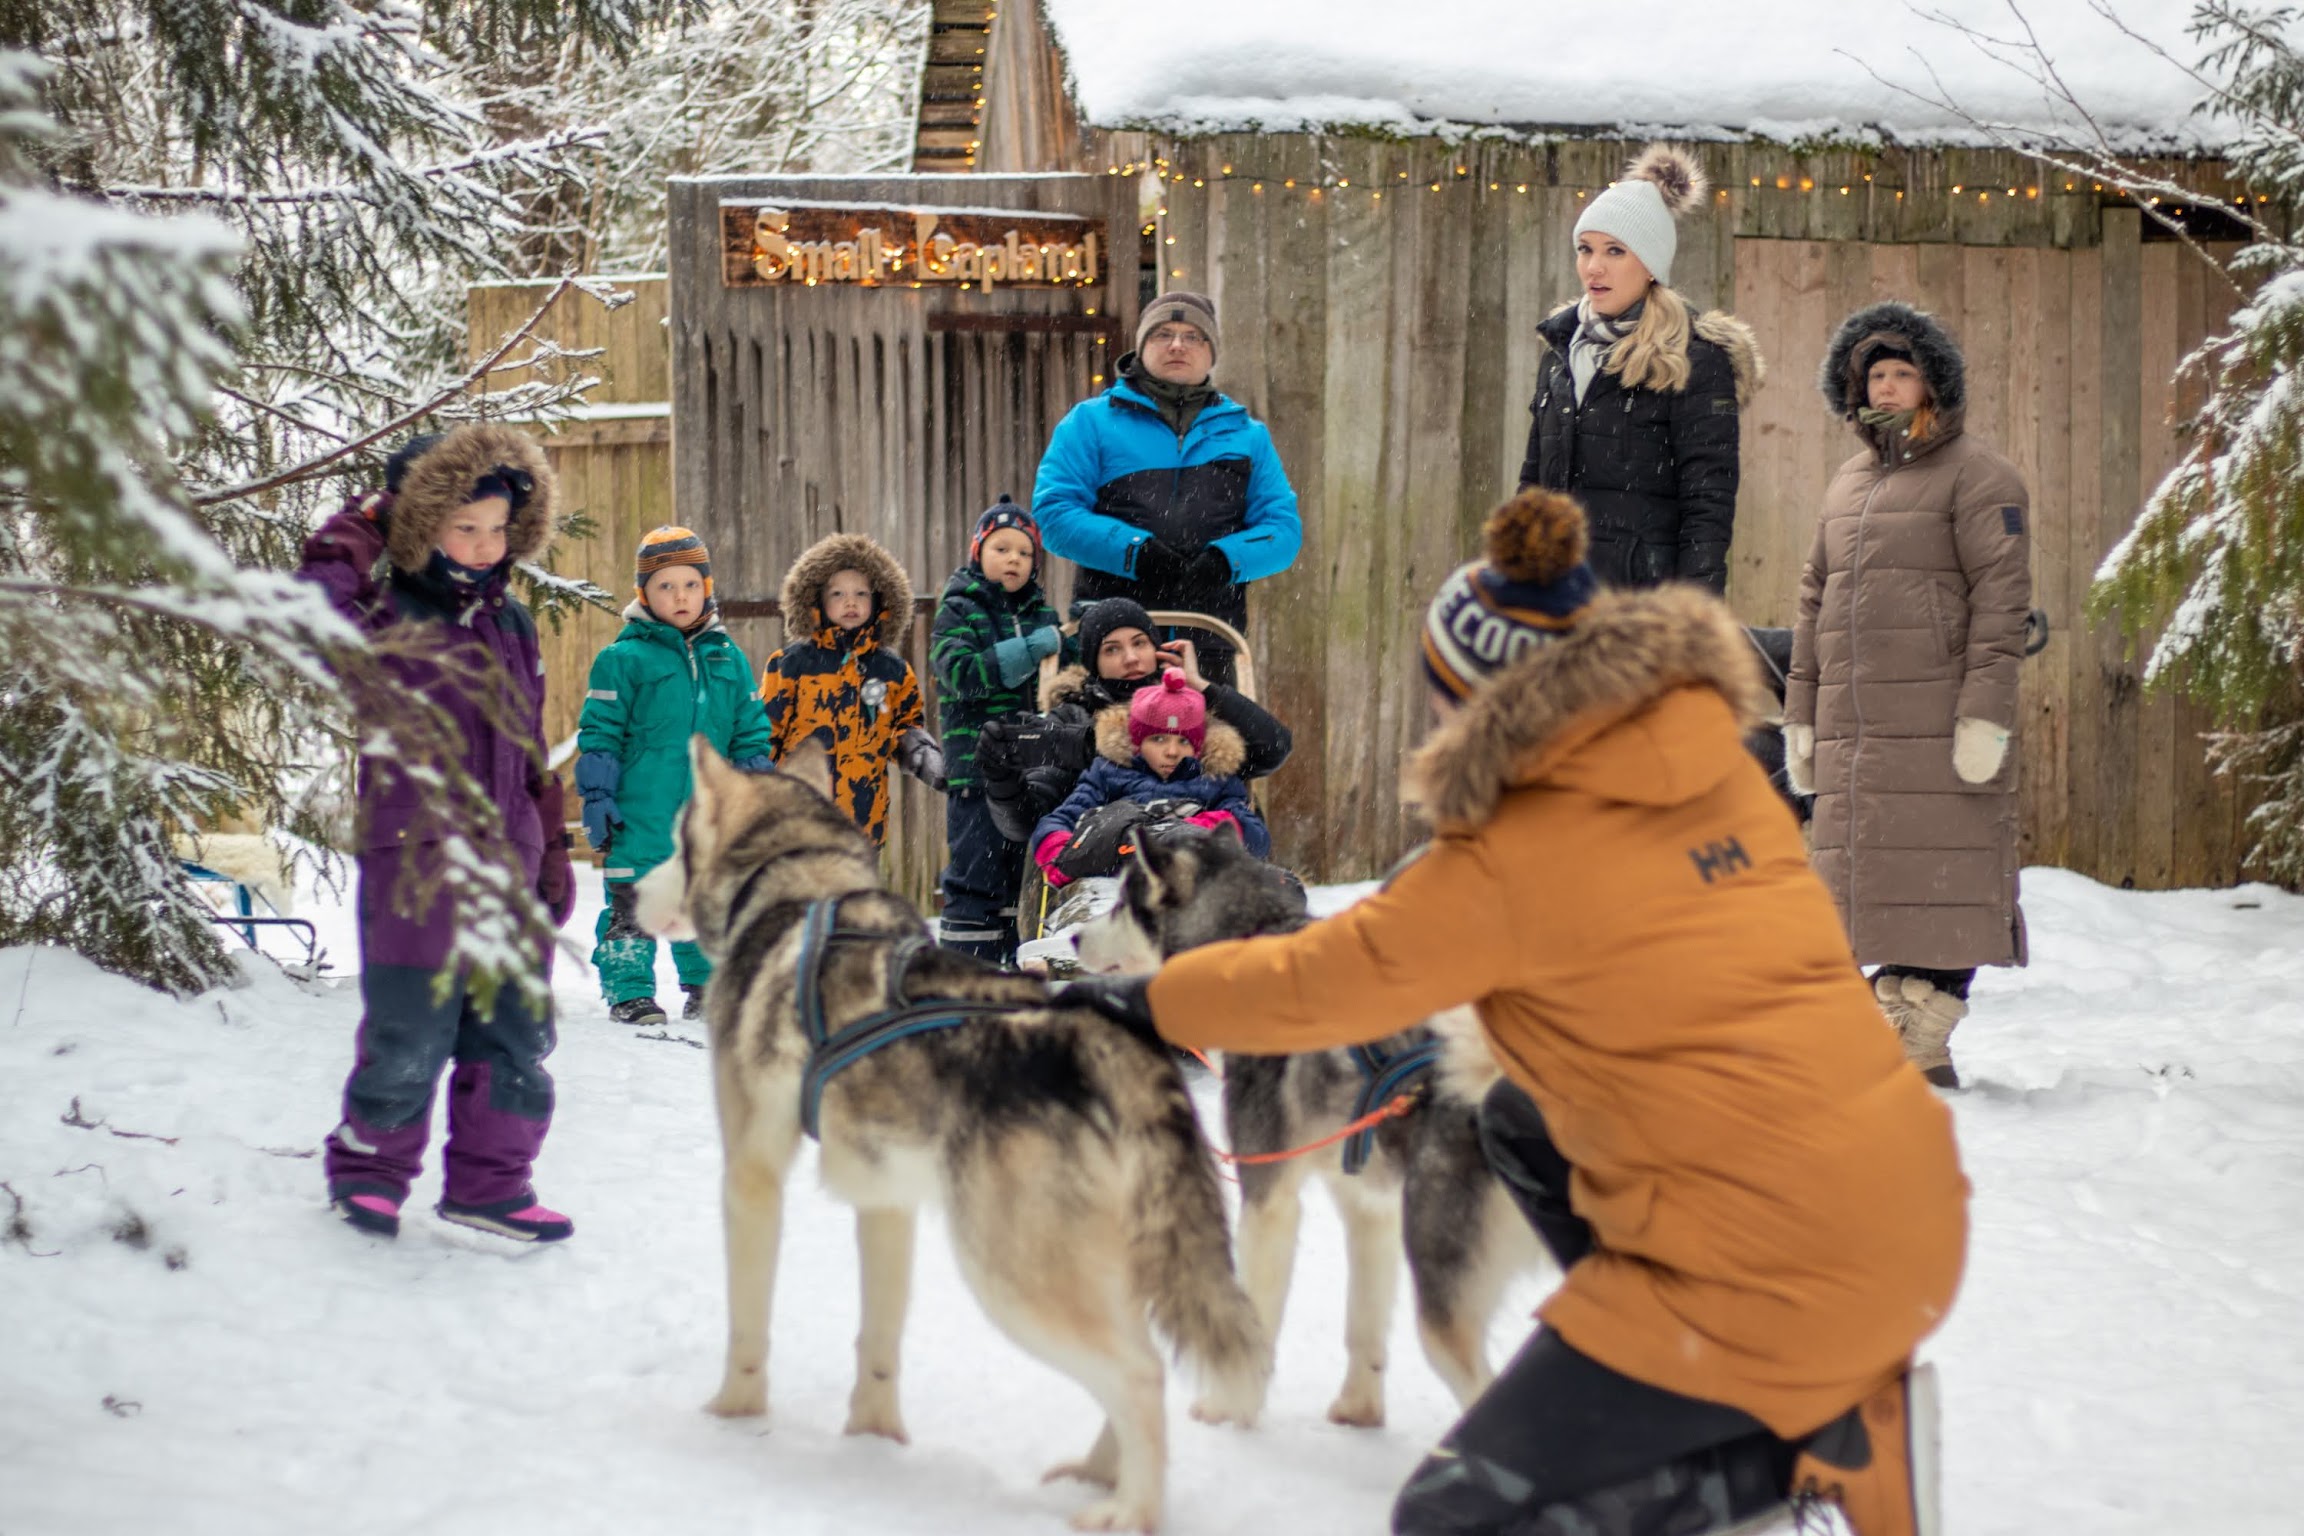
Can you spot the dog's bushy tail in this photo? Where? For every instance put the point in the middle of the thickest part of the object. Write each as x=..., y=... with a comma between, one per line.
x=1180, y=1253
x=1467, y=1066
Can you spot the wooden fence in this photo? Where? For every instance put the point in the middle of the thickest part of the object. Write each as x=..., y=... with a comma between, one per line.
x=1379, y=303
x=613, y=463
x=899, y=411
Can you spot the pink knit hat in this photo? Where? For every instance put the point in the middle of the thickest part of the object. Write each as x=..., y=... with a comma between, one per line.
x=1173, y=705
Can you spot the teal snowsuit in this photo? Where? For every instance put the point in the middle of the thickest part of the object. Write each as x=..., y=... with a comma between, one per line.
x=650, y=690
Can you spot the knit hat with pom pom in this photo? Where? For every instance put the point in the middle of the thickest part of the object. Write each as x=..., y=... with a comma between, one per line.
x=1658, y=187
x=1175, y=706
x=1529, y=590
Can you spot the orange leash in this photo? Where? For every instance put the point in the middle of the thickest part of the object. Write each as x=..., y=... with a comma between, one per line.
x=1400, y=1105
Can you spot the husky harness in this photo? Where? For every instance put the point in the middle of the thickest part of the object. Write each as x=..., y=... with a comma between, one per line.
x=832, y=1050
x=1381, y=1077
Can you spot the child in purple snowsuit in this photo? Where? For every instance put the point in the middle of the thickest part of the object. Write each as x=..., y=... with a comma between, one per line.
x=456, y=513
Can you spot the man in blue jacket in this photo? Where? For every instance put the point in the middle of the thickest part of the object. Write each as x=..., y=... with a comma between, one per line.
x=1164, y=490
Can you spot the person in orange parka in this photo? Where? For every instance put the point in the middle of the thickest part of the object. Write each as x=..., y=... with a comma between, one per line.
x=1757, y=1202
x=839, y=680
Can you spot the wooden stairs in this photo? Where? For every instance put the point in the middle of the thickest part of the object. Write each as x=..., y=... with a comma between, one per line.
x=952, y=85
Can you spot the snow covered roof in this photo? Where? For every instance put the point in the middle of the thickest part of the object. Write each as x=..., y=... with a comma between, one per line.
x=1783, y=70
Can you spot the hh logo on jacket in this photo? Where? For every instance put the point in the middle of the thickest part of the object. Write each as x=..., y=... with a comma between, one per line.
x=1720, y=858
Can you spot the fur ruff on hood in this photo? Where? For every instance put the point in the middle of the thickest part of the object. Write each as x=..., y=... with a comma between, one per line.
x=1222, y=756
x=1628, y=648
x=1731, y=336
x=804, y=587
x=441, y=481
x=1934, y=353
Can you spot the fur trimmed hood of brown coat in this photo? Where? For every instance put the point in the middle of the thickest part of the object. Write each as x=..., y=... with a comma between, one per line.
x=803, y=597
x=441, y=481
x=1221, y=756
x=1629, y=648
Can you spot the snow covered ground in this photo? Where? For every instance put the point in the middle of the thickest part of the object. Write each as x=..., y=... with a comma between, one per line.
x=189, y=1344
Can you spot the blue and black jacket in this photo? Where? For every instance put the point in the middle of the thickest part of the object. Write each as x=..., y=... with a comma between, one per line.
x=1116, y=476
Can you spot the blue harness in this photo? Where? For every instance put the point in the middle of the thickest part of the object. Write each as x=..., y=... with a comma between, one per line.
x=1381, y=1079
x=830, y=1051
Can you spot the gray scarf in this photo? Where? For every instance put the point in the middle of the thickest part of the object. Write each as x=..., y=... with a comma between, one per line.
x=1596, y=336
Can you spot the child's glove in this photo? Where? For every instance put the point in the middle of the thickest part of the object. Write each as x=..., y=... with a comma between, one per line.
x=597, y=775
x=376, y=506
x=1016, y=656
x=556, y=875
x=920, y=755
x=1214, y=819
x=1051, y=848
x=757, y=764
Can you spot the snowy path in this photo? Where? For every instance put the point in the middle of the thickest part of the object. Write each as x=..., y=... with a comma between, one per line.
x=2127, y=1356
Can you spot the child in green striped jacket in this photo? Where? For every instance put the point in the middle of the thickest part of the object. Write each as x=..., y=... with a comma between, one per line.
x=992, y=632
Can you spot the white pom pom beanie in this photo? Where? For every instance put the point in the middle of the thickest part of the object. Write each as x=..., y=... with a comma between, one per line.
x=1633, y=211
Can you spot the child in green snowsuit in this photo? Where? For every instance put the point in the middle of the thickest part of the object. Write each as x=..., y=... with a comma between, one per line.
x=673, y=672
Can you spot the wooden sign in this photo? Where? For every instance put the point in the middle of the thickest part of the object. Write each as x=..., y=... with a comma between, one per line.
x=804, y=244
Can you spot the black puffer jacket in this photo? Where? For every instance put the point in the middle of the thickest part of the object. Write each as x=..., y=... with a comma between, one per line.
x=1656, y=472
x=1028, y=765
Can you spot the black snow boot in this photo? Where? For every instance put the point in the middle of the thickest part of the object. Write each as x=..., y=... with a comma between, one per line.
x=638, y=1011
x=694, y=1007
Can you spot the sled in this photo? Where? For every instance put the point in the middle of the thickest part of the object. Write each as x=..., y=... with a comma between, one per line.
x=1045, y=917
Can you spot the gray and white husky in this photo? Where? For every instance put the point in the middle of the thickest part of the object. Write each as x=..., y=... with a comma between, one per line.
x=1426, y=1185
x=1081, y=1197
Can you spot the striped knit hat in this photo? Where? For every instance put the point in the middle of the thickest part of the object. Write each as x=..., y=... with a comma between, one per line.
x=667, y=545
x=1004, y=513
x=1529, y=590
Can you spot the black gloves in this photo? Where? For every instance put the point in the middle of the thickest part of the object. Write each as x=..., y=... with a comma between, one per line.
x=1124, y=1000
x=1210, y=569
x=1160, y=564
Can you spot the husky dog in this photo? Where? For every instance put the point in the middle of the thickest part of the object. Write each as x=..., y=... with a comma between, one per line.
x=1426, y=1183
x=1083, y=1204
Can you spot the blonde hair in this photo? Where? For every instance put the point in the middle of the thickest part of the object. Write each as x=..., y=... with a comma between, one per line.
x=1655, y=355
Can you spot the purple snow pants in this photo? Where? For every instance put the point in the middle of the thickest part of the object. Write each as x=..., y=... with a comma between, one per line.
x=499, y=1096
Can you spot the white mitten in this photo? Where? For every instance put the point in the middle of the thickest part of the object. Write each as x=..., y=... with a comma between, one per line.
x=1978, y=748
x=1800, y=758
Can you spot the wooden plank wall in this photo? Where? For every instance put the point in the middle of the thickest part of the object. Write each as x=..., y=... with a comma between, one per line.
x=614, y=465
x=808, y=411
x=1379, y=300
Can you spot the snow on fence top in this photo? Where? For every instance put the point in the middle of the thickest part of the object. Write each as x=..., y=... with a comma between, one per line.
x=1783, y=70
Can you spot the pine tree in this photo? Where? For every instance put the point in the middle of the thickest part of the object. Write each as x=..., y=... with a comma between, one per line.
x=2214, y=569
x=233, y=235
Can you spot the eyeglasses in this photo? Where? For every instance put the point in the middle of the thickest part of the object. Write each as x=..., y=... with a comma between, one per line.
x=1177, y=336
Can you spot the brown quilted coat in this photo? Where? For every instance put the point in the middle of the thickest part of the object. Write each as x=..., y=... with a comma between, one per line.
x=1912, y=610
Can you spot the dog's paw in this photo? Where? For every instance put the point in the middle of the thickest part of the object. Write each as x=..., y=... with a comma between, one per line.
x=1360, y=1410
x=1117, y=1515
x=882, y=1418
x=1214, y=1409
x=740, y=1397
x=1089, y=1471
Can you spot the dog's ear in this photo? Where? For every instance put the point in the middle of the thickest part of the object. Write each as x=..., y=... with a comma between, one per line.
x=1148, y=877
x=811, y=765
x=1182, y=869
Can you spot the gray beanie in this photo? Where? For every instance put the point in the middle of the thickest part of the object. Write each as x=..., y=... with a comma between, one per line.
x=1640, y=209
x=1183, y=308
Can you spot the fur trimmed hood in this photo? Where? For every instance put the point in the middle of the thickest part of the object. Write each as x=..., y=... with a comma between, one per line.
x=804, y=587
x=441, y=480
x=1073, y=685
x=1934, y=353
x=1222, y=757
x=1716, y=326
x=1628, y=649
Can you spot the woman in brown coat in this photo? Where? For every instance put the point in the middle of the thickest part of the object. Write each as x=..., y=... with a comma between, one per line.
x=1901, y=711
x=1757, y=1202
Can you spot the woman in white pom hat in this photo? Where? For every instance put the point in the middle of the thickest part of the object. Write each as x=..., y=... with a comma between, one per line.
x=1637, y=400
